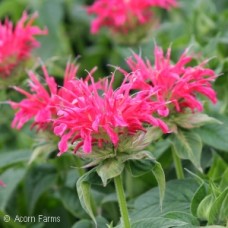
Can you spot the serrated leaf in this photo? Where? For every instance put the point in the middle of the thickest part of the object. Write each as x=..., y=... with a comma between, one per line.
x=84, y=194
x=199, y=195
x=188, y=145
x=193, y=120
x=178, y=196
x=219, y=210
x=109, y=169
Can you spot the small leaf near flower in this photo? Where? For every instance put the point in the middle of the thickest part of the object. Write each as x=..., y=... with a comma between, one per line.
x=140, y=167
x=83, y=189
x=193, y=120
x=187, y=145
x=110, y=168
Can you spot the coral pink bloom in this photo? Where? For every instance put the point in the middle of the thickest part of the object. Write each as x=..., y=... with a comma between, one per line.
x=177, y=83
x=41, y=103
x=17, y=43
x=98, y=114
x=124, y=15
x=2, y=184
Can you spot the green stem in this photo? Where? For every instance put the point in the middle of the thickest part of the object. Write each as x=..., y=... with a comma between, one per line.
x=122, y=201
x=178, y=165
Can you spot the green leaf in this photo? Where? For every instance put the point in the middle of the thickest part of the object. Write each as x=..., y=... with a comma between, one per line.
x=193, y=120
x=84, y=194
x=83, y=224
x=184, y=217
x=218, y=166
x=219, y=210
x=214, y=226
x=204, y=207
x=38, y=180
x=224, y=181
x=141, y=167
x=71, y=202
x=101, y=223
x=178, y=196
x=214, y=135
x=159, y=148
x=109, y=169
x=11, y=178
x=13, y=157
x=160, y=222
x=160, y=177
x=45, y=149
x=199, y=195
x=50, y=15
x=188, y=145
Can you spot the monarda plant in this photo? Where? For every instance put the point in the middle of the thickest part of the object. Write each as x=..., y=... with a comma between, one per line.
x=178, y=86
x=110, y=128
x=16, y=45
x=129, y=21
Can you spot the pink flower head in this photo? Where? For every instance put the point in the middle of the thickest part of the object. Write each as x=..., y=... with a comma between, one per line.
x=98, y=114
x=178, y=83
x=124, y=15
x=41, y=103
x=16, y=43
x=2, y=184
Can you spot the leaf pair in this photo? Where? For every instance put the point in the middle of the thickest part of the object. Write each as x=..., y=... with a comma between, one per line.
x=112, y=168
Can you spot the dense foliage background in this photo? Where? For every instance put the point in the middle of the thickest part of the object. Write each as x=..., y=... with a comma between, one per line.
x=39, y=183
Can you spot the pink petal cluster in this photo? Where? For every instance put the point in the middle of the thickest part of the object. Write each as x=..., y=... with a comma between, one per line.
x=84, y=112
x=124, y=15
x=16, y=43
x=178, y=84
x=98, y=114
x=40, y=104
